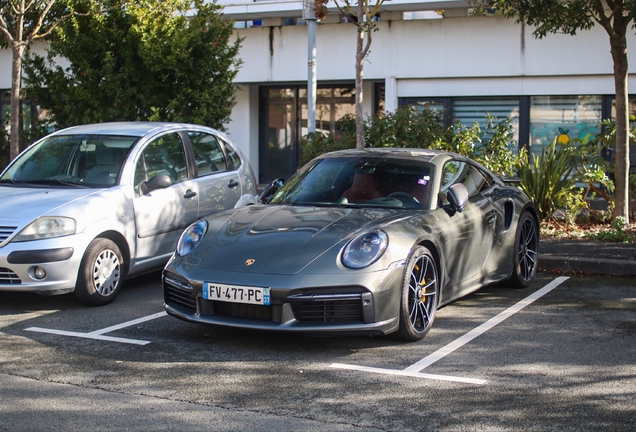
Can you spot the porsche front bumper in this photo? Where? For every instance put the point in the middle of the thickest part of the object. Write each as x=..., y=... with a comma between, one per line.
x=355, y=303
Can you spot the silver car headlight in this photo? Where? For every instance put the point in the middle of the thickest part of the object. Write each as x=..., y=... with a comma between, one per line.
x=365, y=249
x=47, y=227
x=191, y=237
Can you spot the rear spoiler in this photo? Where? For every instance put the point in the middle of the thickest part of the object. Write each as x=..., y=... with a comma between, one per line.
x=510, y=180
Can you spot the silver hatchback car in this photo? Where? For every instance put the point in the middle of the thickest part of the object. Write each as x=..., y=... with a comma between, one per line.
x=87, y=206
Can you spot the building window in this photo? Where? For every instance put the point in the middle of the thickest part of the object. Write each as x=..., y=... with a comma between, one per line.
x=469, y=111
x=332, y=104
x=536, y=120
x=564, y=118
x=378, y=97
x=31, y=114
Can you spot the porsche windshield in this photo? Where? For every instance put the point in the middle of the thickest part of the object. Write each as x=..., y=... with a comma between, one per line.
x=78, y=160
x=360, y=182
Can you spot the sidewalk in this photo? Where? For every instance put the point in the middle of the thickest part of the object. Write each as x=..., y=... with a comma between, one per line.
x=587, y=256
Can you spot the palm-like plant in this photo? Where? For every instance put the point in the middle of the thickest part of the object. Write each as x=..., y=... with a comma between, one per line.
x=547, y=179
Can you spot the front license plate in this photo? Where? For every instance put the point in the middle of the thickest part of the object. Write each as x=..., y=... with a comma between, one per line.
x=236, y=294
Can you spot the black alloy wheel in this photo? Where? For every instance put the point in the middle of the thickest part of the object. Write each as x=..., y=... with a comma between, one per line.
x=526, y=251
x=420, y=294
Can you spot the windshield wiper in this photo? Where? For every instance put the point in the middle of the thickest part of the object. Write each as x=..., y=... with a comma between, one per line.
x=55, y=182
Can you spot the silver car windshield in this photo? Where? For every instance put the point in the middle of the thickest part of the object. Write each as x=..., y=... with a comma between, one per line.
x=76, y=160
x=360, y=182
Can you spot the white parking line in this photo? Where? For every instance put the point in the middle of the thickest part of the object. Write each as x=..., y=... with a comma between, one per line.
x=414, y=370
x=405, y=372
x=99, y=334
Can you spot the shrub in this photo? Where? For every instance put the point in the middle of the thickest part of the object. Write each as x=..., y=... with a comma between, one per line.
x=593, y=171
x=407, y=127
x=317, y=143
x=548, y=182
x=410, y=127
x=495, y=151
x=615, y=233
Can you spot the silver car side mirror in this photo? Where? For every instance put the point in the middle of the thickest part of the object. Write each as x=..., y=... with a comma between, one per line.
x=160, y=181
x=457, y=197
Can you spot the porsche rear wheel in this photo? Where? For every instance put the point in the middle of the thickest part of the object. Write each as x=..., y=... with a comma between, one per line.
x=526, y=251
x=100, y=275
x=420, y=294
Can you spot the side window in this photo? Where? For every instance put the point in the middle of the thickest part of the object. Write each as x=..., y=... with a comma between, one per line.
x=232, y=155
x=207, y=153
x=481, y=179
x=164, y=155
x=460, y=172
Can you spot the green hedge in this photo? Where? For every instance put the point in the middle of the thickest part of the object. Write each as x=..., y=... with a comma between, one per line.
x=411, y=127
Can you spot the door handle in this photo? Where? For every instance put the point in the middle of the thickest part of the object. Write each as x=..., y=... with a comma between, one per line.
x=232, y=184
x=190, y=194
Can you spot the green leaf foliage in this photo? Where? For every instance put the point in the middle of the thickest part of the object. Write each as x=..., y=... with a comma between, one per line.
x=547, y=179
x=407, y=127
x=160, y=60
x=38, y=17
x=616, y=233
x=547, y=16
x=412, y=127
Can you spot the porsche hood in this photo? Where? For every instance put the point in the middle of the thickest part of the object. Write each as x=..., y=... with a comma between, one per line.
x=283, y=239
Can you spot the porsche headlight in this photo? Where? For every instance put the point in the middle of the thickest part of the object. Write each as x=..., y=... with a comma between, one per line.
x=365, y=249
x=191, y=237
x=46, y=227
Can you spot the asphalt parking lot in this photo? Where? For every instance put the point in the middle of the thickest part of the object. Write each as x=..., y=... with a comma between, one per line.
x=558, y=355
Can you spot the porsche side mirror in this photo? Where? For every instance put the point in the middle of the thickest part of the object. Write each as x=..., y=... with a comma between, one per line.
x=160, y=181
x=457, y=197
x=270, y=190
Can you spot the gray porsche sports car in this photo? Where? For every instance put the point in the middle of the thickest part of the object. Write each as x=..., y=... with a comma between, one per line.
x=357, y=242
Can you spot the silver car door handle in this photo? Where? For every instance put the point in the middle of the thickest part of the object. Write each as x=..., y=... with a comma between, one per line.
x=190, y=194
x=232, y=184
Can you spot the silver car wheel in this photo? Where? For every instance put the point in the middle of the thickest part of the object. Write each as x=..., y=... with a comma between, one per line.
x=101, y=273
x=106, y=272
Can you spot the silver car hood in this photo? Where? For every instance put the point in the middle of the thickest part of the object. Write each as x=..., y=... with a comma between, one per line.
x=23, y=205
x=283, y=240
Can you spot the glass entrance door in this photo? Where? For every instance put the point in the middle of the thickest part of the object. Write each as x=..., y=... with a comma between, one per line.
x=278, y=142
x=280, y=155
x=283, y=123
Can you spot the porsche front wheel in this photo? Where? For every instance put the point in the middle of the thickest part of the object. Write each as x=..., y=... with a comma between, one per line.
x=526, y=251
x=100, y=274
x=420, y=294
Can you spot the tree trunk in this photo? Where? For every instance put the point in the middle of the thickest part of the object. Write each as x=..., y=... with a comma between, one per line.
x=618, y=45
x=16, y=84
x=360, y=55
x=17, y=51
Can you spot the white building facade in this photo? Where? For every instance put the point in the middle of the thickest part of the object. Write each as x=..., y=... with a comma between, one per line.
x=426, y=53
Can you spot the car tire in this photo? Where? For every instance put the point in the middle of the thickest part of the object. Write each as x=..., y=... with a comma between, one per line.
x=420, y=296
x=101, y=273
x=525, y=252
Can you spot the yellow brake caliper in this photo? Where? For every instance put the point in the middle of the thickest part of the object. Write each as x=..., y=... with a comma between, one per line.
x=422, y=284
